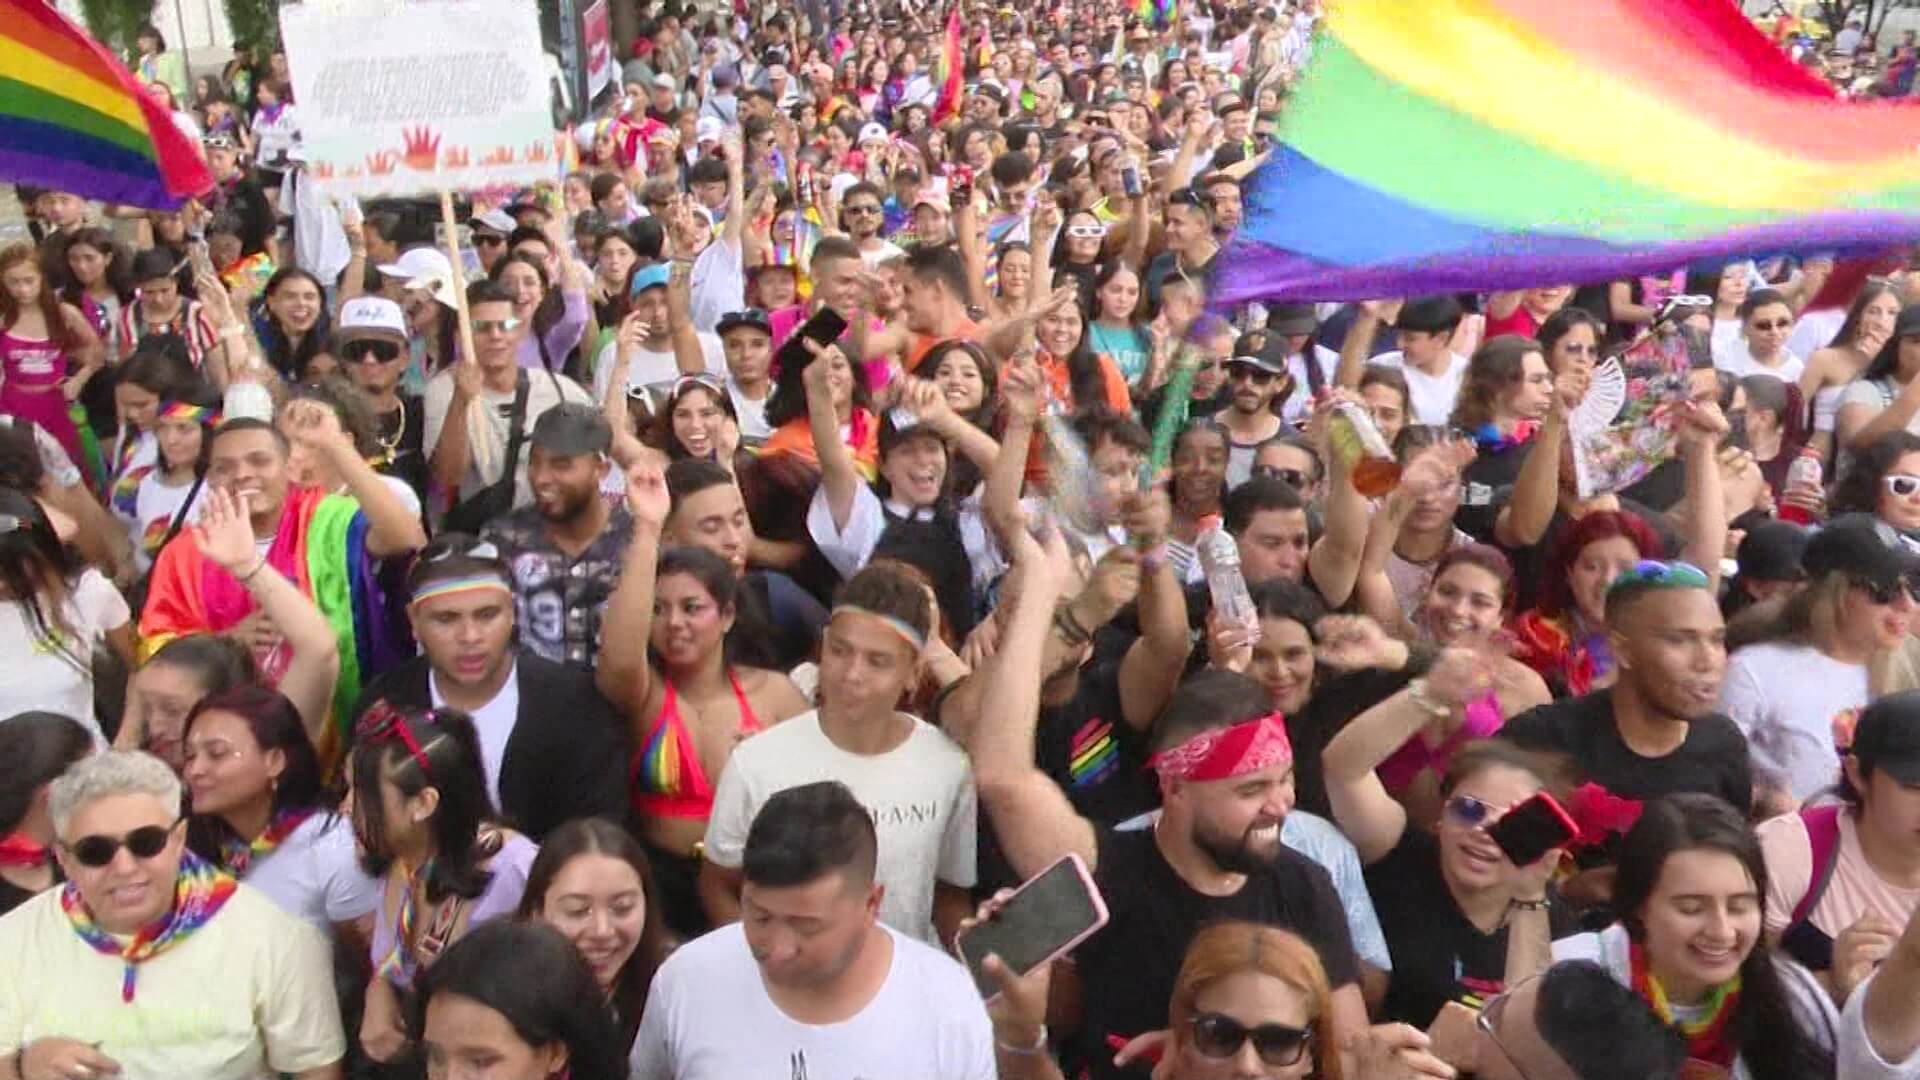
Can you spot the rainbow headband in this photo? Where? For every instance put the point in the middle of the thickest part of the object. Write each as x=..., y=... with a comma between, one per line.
x=448, y=586
x=899, y=626
x=186, y=410
x=1226, y=753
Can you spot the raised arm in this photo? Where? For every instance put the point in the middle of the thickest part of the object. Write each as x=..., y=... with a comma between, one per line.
x=925, y=401
x=1158, y=657
x=734, y=234
x=1021, y=390
x=1357, y=347
x=1706, y=507
x=688, y=356
x=1333, y=563
x=226, y=539
x=1369, y=816
x=1035, y=822
x=1536, y=492
x=839, y=479
x=452, y=452
x=393, y=527
x=622, y=673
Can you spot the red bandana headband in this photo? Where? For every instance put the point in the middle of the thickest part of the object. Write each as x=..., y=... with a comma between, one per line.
x=1224, y=753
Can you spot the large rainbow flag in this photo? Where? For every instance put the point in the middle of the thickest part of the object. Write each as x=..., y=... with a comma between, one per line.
x=1439, y=145
x=949, y=70
x=73, y=118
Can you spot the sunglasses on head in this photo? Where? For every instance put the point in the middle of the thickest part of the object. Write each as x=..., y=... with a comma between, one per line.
x=382, y=722
x=1905, y=485
x=379, y=352
x=143, y=843
x=1218, y=1036
x=447, y=547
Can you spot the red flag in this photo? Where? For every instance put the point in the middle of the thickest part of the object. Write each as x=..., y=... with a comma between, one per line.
x=950, y=71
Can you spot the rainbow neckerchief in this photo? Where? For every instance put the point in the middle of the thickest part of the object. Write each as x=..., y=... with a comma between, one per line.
x=399, y=963
x=239, y=856
x=199, y=893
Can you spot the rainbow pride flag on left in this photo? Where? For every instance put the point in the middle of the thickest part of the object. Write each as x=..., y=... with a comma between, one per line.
x=72, y=117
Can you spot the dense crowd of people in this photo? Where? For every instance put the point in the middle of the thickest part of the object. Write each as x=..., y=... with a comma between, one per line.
x=637, y=632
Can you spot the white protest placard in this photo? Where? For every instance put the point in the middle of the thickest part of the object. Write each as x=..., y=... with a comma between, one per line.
x=411, y=98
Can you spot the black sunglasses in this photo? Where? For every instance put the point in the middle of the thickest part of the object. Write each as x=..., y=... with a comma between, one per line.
x=1218, y=1036
x=1886, y=592
x=1294, y=477
x=382, y=352
x=144, y=842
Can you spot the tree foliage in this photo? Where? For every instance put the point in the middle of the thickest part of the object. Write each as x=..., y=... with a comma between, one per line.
x=114, y=22
x=255, y=23
x=1872, y=14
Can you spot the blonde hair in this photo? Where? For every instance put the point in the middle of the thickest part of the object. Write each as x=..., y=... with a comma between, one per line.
x=1231, y=948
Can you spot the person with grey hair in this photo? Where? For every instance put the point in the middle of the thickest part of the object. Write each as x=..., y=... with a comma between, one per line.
x=149, y=961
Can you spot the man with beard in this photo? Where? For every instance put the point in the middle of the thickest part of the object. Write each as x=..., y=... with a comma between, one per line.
x=1655, y=731
x=565, y=549
x=552, y=748
x=813, y=980
x=1226, y=779
x=1255, y=380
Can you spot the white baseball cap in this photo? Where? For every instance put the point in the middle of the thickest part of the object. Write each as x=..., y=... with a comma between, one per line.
x=872, y=133
x=374, y=317
x=424, y=268
x=709, y=129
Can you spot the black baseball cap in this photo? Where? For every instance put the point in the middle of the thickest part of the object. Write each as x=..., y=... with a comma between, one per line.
x=1862, y=547
x=1288, y=320
x=1772, y=551
x=1262, y=349
x=753, y=317
x=572, y=428
x=1887, y=737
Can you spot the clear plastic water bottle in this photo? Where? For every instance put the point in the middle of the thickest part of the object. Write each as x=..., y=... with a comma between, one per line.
x=1220, y=560
x=1803, y=473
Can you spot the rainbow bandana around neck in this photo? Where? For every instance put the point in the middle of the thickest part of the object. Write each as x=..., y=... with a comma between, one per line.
x=1226, y=753
x=448, y=586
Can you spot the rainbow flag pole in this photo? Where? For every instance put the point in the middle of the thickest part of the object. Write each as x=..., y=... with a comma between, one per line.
x=1405, y=169
x=73, y=118
x=949, y=73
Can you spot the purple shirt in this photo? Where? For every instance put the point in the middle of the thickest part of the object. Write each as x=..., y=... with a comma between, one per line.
x=561, y=338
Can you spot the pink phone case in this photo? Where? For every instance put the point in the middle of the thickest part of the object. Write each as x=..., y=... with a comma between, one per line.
x=1099, y=904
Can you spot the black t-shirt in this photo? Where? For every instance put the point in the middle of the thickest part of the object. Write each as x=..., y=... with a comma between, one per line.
x=1712, y=760
x=1438, y=954
x=1485, y=487
x=1087, y=747
x=1128, y=969
x=1335, y=702
x=402, y=434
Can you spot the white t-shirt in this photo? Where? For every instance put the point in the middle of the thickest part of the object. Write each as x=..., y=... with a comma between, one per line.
x=920, y=794
x=1815, y=330
x=1738, y=361
x=55, y=674
x=871, y=260
x=1432, y=395
x=493, y=722
x=544, y=391
x=315, y=876
x=155, y=502
x=1300, y=402
x=709, y=1017
x=1784, y=697
x=718, y=285
x=752, y=413
x=651, y=368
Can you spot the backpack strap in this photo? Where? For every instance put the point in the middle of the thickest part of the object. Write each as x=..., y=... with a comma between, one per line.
x=1823, y=838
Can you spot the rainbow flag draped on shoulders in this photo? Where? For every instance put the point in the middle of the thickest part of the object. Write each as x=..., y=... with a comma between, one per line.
x=73, y=118
x=321, y=547
x=1451, y=145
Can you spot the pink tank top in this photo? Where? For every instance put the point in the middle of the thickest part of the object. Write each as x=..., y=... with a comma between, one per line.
x=31, y=363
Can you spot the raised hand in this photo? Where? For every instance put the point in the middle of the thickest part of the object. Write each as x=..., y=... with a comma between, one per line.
x=224, y=535
x=647, y=497
x=312, y=424
x=1352, y=642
